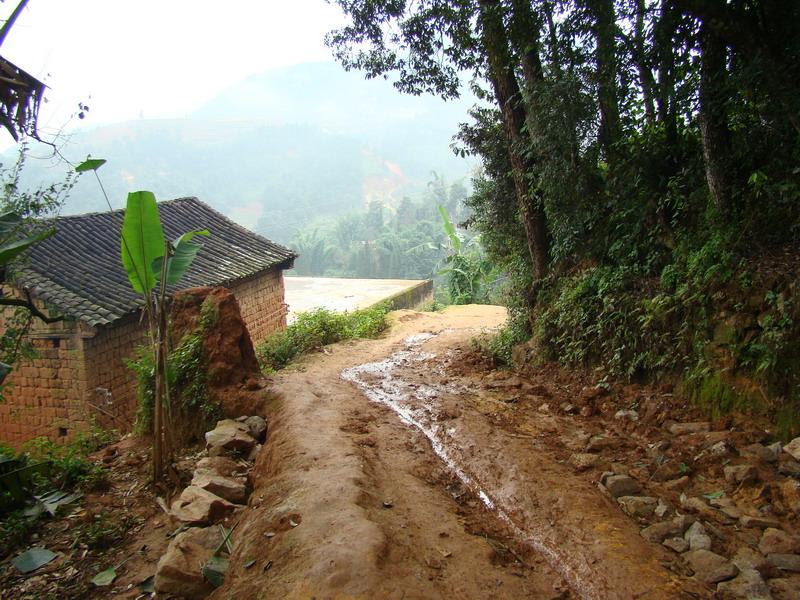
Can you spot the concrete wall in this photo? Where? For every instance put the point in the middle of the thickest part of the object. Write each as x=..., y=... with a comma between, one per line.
x=80, y=375
x=412, y=297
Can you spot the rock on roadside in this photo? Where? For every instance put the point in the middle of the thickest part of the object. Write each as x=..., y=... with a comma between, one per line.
x=229, y=436
x=622, y=485
x=793, y=448
x=232, y=490
x=697, y=537
x=748, y=585
x=196, y=506
x=710, y=567
x=638, y=506
x=775, y=541
x=179, y=569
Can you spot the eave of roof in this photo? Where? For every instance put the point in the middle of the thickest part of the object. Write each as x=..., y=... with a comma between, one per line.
x=79, y=273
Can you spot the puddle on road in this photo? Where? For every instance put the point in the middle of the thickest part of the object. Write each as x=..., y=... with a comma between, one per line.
x=414, y=404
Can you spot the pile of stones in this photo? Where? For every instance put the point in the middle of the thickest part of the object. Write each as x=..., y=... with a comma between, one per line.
x=218, y=491
x=726, y=539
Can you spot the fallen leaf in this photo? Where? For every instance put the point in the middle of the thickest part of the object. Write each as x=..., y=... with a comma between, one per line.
x=249, y=563
x=214, y=570
x=32, y=559
x=54, y=500
x=104, y=578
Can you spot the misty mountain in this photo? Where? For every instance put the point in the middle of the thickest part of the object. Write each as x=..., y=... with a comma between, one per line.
x=275, y=150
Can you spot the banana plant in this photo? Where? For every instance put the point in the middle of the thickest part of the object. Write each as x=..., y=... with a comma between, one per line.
x=151, y=260
x=152, y=263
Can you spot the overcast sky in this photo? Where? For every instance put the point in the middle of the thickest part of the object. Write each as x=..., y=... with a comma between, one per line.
x=128, y=59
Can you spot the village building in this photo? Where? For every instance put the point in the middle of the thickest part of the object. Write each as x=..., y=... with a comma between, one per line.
x=79, y=374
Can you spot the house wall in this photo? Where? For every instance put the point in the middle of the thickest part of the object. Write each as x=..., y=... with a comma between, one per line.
x=43, y=395
x=80, y=375
x=261, y=300
x=110, y=385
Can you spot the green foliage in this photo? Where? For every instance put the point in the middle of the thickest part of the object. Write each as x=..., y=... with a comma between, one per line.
x=12, y=241
x=405, y=241
x=15, y=527
x=317, y=328
x=465, y=266
x=187, y=376
x=645, y=200
x=20, y=227
x=142, y=241
x=70, y=466
x=143, y=367
x=500, y=345
x=90, y=164
x=181, y=256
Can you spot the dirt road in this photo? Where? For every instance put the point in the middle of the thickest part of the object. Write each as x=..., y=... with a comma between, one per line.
x=405, y=468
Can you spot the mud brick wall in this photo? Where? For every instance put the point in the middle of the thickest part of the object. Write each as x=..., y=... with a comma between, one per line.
x=111, y=386
x=261, y=300
x=44, y=395
x=79, y=375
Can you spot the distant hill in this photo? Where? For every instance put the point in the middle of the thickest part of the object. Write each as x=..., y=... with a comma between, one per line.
x=277, y=149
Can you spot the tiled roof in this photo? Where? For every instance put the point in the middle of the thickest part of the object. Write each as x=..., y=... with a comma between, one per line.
x=79, y=272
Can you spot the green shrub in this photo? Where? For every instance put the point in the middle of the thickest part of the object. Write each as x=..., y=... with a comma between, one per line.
x=500, y=346
x=187, y=375
x=15, y=527
x=70, y=465
x=318, y=328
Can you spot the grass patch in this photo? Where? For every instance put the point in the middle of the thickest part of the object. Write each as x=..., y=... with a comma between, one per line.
x=318, y=328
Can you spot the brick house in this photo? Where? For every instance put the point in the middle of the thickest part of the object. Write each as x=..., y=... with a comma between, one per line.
x=79, y=372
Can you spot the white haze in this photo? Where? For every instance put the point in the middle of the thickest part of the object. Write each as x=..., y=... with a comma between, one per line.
x=131, y=59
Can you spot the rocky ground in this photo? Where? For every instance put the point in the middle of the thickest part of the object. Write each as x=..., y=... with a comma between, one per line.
x=408, y=467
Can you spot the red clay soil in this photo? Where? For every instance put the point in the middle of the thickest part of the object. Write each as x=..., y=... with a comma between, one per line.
x=408, y=467
x=351, y=502
x=231, y=363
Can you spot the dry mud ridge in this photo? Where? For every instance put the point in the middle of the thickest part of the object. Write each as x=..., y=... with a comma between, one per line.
x=407, y=467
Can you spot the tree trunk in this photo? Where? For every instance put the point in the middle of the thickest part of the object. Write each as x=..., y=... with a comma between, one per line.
x=508, y=96
x=665, y=28
x=645, y=73
x=558, y=72
x=606, y=64
x=715, y=135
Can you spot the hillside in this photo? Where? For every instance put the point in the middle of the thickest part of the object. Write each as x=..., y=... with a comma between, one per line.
x=275, y=147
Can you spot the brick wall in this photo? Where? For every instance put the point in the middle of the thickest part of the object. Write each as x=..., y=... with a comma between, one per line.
x=110, y=385
x=44, y=394
x=79, y=374
x=261, y=300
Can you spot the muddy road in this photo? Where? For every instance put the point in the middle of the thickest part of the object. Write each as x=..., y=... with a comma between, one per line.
x=406, y=468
